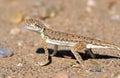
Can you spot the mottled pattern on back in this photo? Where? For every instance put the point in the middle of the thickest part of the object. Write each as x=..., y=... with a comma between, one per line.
x=66, y=37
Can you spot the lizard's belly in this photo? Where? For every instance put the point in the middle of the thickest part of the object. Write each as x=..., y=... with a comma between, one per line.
x=62, y=43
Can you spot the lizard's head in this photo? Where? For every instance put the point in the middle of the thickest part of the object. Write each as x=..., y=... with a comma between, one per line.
x=34, y=25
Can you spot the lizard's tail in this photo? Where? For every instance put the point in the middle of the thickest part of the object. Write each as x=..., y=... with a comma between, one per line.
x=102, y=44
x=115, y=47
x=111, y=45
x=107, y=45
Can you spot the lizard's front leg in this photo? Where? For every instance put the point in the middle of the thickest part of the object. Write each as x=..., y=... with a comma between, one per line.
x=78, y=46
x=55, y=50
x=46, y=59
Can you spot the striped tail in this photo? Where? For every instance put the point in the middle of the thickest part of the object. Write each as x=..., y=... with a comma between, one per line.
x=116, y=47
x=113, y=46
x=103, y=45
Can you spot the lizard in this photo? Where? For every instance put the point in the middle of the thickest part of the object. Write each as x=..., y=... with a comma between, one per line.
x=57, y=38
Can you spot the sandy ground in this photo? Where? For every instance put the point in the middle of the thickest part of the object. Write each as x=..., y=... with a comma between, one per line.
x=99, y=20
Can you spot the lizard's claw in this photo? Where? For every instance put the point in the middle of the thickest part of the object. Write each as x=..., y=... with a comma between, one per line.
x=47, y=62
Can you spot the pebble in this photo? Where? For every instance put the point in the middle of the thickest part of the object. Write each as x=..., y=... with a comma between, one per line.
x=5, y=52
x=19, y=44
x=15, y=31
x=44, y=13
x=90, y=5
x=19, y=64
x=35, y=44
x=95, y=69
x=16, y=18
x=61, y=75
x=115, y=17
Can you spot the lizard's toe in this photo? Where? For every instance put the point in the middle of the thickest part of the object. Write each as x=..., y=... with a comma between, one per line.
x=47, y=62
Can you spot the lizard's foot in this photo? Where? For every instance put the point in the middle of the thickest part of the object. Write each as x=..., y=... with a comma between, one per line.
x=43, y=63
x=46, y=62
x=80, y=66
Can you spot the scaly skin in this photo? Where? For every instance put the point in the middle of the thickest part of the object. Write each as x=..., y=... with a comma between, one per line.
x=76, y=42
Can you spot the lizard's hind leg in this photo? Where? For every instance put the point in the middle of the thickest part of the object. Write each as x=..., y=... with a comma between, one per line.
x=77, y=47
x=90, y=52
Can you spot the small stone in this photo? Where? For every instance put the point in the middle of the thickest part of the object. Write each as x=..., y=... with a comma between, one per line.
x=53, y=14
x=89, y=9
x=61, y=75
x=15, y=31
x=44, y=13
x=36, y=44
x=17, y=18
x=95, y=69
x=19, y=43
x=20, y=64
x=5, y=52
x=115, y=17
x=90, y=5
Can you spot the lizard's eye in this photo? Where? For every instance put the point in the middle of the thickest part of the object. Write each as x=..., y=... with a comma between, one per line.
x=36, y=25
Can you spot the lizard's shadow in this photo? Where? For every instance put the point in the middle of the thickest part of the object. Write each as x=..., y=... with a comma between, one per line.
x=85, y=56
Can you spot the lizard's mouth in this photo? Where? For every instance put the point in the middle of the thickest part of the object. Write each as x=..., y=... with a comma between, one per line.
x=33, y=28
